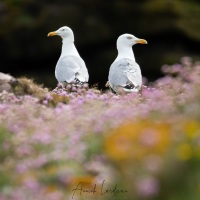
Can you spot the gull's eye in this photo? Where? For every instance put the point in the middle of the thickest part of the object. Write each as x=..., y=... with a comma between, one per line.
x=129, y=37
x=62, y=29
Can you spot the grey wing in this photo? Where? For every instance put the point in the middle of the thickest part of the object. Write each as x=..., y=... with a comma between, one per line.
x=133, y=74
x=66, y=69
x=123, y=72
x=117, y=75
x=82, y=74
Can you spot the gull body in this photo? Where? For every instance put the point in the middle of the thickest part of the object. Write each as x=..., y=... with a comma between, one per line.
x=125, y=74
x=70, y=66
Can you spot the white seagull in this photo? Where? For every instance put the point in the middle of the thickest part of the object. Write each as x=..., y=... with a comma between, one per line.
x=70, y=66
x=125, y=74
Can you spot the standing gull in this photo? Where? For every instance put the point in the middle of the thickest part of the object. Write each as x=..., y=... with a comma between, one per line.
x=125, y=74
x=70, y=66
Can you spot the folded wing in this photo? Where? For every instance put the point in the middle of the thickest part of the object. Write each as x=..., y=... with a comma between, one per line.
x=125, y=73
x=70, y=68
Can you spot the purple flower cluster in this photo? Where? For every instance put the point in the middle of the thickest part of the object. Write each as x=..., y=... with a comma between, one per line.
x=48, y=145
x=70, y=87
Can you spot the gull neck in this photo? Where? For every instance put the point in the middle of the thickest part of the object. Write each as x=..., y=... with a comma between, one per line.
x=125, y=52
x=68, y=48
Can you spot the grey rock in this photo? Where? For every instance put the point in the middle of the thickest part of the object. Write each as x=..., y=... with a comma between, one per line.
x=6, y=82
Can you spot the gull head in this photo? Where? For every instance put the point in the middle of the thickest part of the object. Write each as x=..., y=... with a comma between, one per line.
x=129, y=40
x=63, y=32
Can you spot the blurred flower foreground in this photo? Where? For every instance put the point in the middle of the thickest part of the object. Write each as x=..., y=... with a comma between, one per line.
x=97, y=145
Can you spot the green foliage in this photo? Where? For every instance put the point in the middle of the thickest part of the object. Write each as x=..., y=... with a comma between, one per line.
x=6, y=155
x=5, y=144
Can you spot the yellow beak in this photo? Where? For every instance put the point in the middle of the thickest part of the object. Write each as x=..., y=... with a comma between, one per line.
x=52, y=34
x=141, y=41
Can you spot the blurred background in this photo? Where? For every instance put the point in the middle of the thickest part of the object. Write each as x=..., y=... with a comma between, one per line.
x=171, y=27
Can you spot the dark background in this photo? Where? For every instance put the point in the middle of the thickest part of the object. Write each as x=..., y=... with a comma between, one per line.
x=171, y=27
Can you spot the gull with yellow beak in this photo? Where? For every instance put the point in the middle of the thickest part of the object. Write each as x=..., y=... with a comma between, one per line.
x=70, y=66
x=125, y=74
